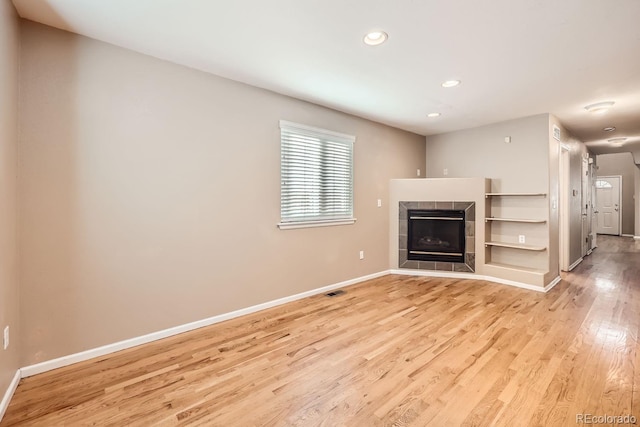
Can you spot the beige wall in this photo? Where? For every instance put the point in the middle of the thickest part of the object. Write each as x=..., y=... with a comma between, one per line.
x=150, y=195
x=9, y=293
x=622, y=164
x=520, y=166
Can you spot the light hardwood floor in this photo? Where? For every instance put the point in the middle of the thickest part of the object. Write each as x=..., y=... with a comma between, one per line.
x=392, y=351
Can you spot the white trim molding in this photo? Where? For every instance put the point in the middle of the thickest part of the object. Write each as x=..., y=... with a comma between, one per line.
x=636, y=237
x=9, y=393
x=309, y=224
x=48, y=365
x=575, y=264
x=454, y=275
x=552, y=284
x=60, y=362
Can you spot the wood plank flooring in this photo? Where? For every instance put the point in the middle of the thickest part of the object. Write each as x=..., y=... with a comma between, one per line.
x=397, y=350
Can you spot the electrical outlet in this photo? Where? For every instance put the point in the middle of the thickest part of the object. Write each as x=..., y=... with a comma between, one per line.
x=445, y=172
x=521, y=238
x=6, y=337
x=418, y=172
x=361, y=254
x=379, y=203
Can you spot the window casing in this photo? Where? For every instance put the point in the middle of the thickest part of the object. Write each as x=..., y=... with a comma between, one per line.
x=316, y=177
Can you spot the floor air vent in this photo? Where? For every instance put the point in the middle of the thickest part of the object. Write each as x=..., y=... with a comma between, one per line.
x=335, y=293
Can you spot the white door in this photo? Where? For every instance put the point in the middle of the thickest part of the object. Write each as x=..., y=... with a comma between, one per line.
x=608, y=199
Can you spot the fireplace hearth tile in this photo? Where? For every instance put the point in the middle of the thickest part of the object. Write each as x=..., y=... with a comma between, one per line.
x=462, y=206
x=427, y=265
x=470, y=228
x=417, y=205
x=471, y=211
x=403, y=212
x=402, y=256
x=462, y=268
x=444, y=205
x=402, y=242
x=470, y=259
x=470, y=245
x=444, y=266
x=411, y=264
x=403, y=228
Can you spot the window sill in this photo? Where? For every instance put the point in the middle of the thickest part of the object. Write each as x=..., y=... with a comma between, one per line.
x=310, y=224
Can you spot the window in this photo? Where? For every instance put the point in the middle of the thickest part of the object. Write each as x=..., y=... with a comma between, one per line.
x=603, y=184
x=316, y=177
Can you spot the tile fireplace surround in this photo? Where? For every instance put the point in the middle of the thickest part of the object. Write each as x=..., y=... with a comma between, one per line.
x=469, y=264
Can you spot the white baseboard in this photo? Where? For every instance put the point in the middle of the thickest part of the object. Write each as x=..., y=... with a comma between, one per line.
x=628, y=235
x=60, y=362
x=9, y=393
x=49, y=365
x=454, y=275
x=575, y=264
x=552, y=284
x=636, y=237
x=436, y=273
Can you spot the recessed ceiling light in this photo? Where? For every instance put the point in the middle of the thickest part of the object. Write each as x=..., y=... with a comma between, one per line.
x=375, y=38
x=433, y=115
x=451, y=83
x=609, y=129
x=599, y=107
x=619, y=140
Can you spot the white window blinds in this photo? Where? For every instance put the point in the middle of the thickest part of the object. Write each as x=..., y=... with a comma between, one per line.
x=316, y=175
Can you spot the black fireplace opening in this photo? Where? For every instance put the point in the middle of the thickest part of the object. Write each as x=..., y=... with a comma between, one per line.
x=436, y=235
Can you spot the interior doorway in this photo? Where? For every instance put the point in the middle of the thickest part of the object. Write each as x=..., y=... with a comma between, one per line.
x=609, y=208
x=564, y=196
x=585, y=207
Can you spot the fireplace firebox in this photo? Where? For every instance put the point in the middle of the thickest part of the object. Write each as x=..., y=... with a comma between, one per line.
x=436, y=235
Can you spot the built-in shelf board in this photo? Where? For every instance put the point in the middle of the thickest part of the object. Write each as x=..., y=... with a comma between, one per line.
x=532, y=221
x=515, y=195
x=516, y=246
x=517, y=268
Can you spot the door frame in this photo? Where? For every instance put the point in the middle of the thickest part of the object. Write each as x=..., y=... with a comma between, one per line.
x=585, y=206
x=565, y=190
x=593, y=175
x=619, y=199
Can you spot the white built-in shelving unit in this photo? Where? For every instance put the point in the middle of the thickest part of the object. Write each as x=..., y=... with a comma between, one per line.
x=508, y=216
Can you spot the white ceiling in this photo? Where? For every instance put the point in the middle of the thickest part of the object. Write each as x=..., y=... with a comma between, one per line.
x=515, y=57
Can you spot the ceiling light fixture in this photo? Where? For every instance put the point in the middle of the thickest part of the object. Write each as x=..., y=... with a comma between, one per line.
x=451, y=83
x=609, y=129
x=619, y=140
x=599, y=107
x=375, y=38
x=433, y=115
